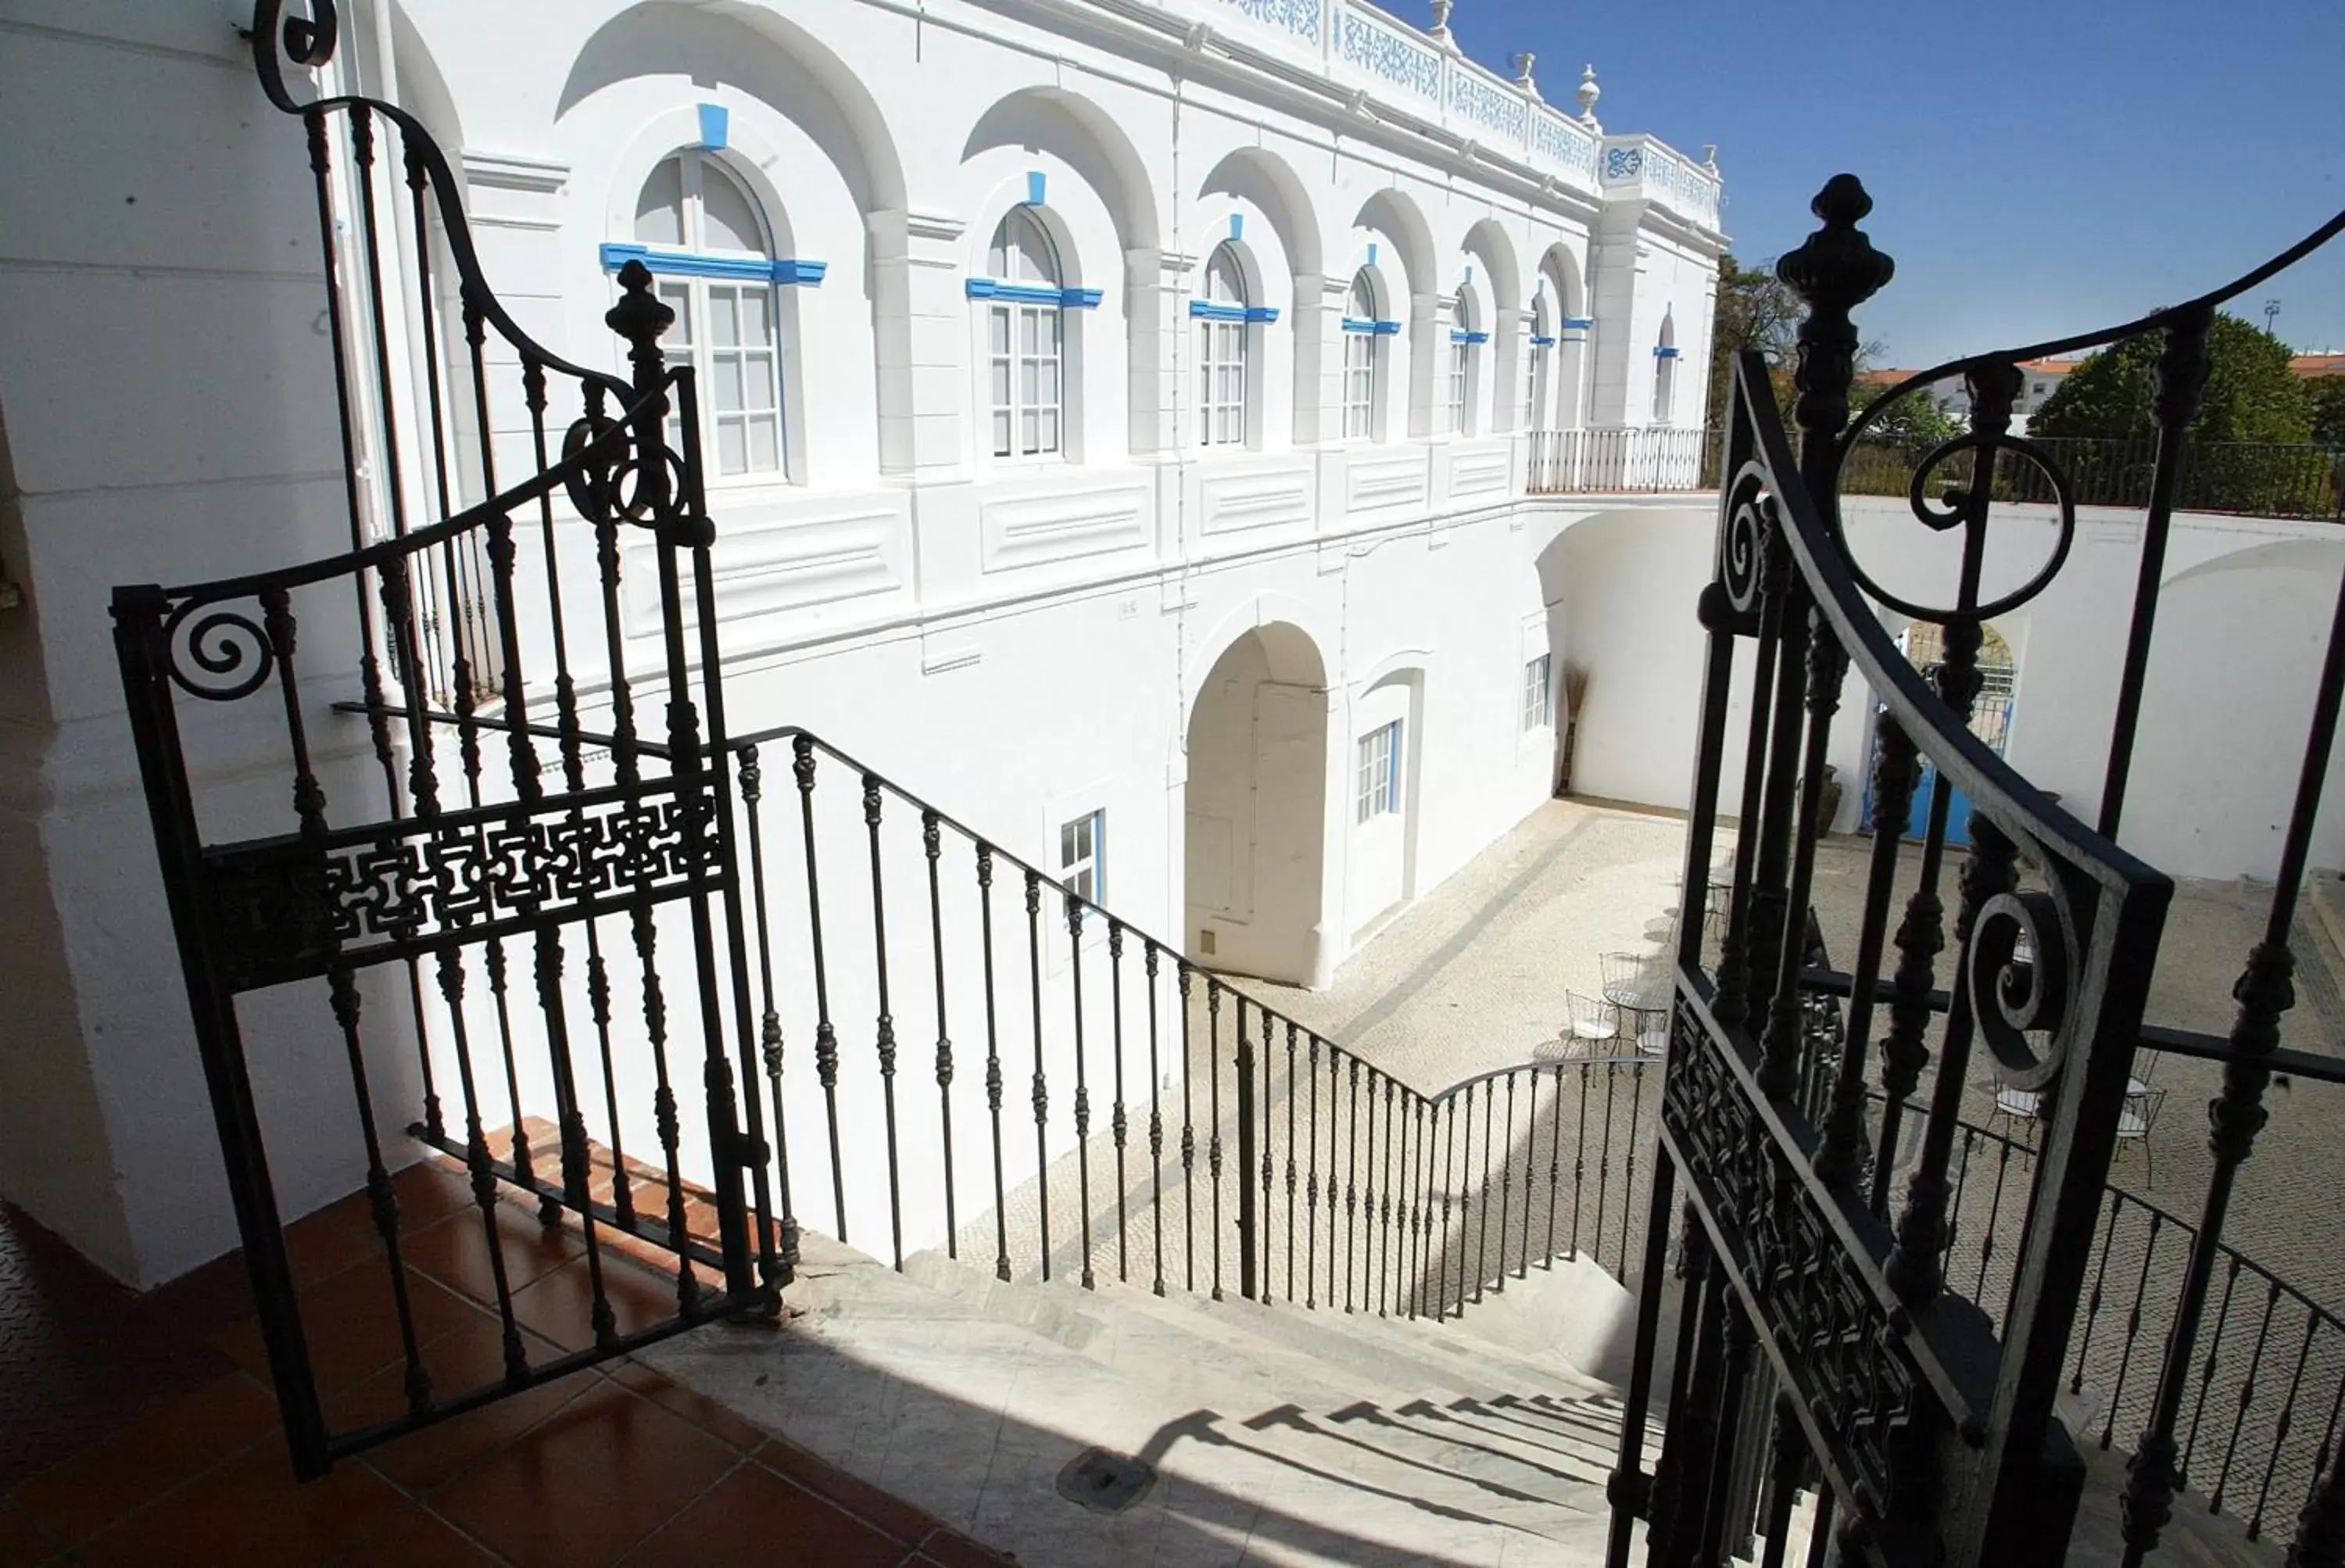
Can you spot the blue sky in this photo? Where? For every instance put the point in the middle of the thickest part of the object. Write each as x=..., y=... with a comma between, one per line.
x=2037, y=166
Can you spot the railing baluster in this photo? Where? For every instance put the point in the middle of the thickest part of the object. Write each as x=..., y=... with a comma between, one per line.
x=993, y=1082
x=825, y=1037
x=1351, y=1183
x=1385, y=1210
x=1368, y=1201
x=884, y=1027
x=1042, y=1089
x=932, y=846
x=2093, y=1301
x=1604, y=1166
x=1082, y=1088
x=2133, y=1326
x=1555, y=1163
x=1482, y=1191
x=1118, y=1125
x=769, y=1033
x=1311, y=1187
x=2320, y=1524
x=1188, y=1131
x=1580, y=1158
x=1628, y=1166
x=1263, y=1208
x=1155, y=1115
x=1213, y=1106
x=1449, y=1248
x=1530, y=1163
x=2247, y=1398
x=1506, y=1188
x=2207, y=1372
x=1291, y=1097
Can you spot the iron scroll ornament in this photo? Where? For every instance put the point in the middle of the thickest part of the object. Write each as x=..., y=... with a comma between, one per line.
x=2018, y=971
x=309, y=43
x=1990, y=444
x=220, y=645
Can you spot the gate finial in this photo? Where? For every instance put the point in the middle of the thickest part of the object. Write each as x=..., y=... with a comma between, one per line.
x=640, y=316
x=1834, y=270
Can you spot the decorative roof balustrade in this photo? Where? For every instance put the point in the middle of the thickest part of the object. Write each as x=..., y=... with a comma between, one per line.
x=1393, y=64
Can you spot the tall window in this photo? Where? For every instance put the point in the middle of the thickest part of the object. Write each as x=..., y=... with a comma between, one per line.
x=1022, y=338
x=726, y=327
x=1665, y=374
x=1083, y=856
x=1461, y=367
x=1536, y=349
x=1376, y=792
x=1360, y=362
x=1221, y=352
x=1537, y=693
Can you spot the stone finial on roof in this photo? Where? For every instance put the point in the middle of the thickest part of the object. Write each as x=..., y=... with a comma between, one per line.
x=1709, y=156
x=1523, y=63
x=1440, y=32
x=1589, y=92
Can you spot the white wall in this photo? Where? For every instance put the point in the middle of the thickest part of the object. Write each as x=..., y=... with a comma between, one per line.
x=2243, y=621
x=1010, y=637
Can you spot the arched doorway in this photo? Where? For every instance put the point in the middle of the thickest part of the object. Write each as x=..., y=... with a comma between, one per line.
x=1256, y=808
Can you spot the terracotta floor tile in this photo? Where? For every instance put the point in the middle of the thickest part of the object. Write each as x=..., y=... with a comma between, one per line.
x=352, y=1325
x=471, y=1357
x=754, y=1517
x=581, y=1488
x=560, y=1305
x=431, y=1190
x=322, y=1245
x=98, y=1486
x=250, y=1512
x=22, y=1539
x=455, y=1251
x=414, y=1538
x=705, y=1414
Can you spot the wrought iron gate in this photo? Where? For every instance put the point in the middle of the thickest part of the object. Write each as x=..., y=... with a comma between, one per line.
x=1820, y=1339
x=453, y=817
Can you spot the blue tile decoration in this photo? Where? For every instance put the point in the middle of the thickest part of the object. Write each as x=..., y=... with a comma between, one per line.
x=1381, y=52
x=1486, y=102
x=1300, y=17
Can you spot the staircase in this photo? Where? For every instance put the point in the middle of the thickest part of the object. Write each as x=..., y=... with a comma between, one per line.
x=1269, y=1434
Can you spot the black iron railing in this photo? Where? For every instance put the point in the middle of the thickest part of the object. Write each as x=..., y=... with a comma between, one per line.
x=2262, y=479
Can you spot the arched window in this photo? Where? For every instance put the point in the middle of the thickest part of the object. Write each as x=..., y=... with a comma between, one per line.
x=1460, y=399
x=1360, y=360
x=1665, y=374
x=1222, y=351
x=1023, y=331
x=726, y=324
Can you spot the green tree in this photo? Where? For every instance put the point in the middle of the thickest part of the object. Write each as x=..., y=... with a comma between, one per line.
x=2251, y=393
x=2327, y=394
x=1756, y=310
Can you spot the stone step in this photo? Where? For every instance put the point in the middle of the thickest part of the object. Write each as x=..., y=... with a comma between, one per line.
x=1270, y=1442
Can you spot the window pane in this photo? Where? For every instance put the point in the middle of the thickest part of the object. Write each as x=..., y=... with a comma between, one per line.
x=727, y=222
x=1001, y=433
x=732, y=447
x=724, y=381
x=723, y=316
x=757, y=317
x=659, y=210
x=758, y=374
x=1050, y=430
x=677, y=297
x=1000, y=384
x=1029, y=431
x=998, y=328
x=1029, y=380
x=764, y=445
x=1067, y=853
x=1030, y=330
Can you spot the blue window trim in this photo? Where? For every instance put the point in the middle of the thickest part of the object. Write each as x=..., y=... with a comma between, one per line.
x=1381, y=328
x=739, y=268
x=1539, y=342
x=1458, y=337
x=1218, y=311
x=1665, y=352
x=1032, y=294
x=715, y=127
x=1578, y=323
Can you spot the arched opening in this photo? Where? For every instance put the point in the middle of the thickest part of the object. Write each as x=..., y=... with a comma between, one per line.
x=1257, y=793
x=1025, y=349
x=1224, y=394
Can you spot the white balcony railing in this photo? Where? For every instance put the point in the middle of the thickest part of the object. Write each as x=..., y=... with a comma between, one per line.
x=1645, y=458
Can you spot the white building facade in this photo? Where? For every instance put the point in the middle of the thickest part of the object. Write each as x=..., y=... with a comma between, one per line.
x=1117, y=417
